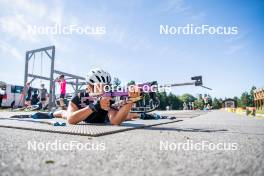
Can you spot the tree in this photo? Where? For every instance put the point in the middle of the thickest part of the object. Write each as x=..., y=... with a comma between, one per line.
x=174, y=102
x=116, y=81
x=245, y=99
x=238, y=101
x=209, y=99
x=199, y=104
x=116, y=84
x=216, y=104
x=162, y=96
x=251, y=96
x=132, y=82
x=187, y=98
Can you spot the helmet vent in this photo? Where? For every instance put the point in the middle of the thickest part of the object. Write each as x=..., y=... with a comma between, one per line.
x=103, y=79
x=98, y=78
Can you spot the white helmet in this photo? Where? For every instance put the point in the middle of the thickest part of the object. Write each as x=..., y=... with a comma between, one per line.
x=98, y=76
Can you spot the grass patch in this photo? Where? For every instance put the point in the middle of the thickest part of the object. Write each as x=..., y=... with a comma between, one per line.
x=5, y=109
x=260, y=112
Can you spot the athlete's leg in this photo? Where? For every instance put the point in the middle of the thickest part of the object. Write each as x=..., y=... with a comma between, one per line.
x=62, y=105
x=60, y=114
x=132, y=116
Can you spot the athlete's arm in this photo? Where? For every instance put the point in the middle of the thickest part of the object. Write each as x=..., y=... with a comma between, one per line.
x=76, y=115
x=117, y=117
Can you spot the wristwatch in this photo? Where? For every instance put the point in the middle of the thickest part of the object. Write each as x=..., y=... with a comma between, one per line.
x=95, y=106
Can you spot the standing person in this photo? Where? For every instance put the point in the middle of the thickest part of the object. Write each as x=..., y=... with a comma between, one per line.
x=35, y=97
x=1, y=98
x=208, y=107
x=185, y=107
x=62, y=83
x=43, y=95
x=190, y=106
x=27, y=92
x=2, y=92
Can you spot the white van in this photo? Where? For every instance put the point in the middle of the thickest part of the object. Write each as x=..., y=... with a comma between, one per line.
x=10, y=95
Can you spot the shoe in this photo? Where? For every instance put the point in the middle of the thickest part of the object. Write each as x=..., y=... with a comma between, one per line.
x=40, y=115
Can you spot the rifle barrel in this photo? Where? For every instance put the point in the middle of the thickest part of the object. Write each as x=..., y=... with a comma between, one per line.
x=206, y=87
x=178, y=84
x=183, y=84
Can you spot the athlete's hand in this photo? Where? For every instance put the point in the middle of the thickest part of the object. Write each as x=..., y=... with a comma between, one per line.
x=105, y=103
x=133, y=91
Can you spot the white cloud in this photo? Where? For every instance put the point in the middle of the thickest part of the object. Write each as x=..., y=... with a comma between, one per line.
x=16, y=26
x=19, y=14
x=26, y=7
x=239, y=37
x=174, y=6
x=122, y=36
x=236, y=43
x=23, y=13
x=6, y=48
x=235, y=48
x=55, y=15
x=197, y=18
x=182, y=9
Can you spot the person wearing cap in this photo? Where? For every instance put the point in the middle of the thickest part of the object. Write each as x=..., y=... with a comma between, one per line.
x=80, y=108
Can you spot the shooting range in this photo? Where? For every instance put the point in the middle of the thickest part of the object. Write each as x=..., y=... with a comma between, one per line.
x=37, y=56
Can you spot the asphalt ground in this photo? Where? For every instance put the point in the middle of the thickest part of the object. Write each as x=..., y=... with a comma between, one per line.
x=226, y=144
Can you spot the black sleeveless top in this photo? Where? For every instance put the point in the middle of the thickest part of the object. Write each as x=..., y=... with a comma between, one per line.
x=81, y=101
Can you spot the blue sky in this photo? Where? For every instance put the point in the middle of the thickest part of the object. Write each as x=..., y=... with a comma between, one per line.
x=133, y=48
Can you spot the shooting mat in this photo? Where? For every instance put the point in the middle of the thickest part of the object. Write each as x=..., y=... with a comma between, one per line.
x=83, y=129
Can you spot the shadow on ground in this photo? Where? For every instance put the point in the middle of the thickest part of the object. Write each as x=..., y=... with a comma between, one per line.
x=185, y=129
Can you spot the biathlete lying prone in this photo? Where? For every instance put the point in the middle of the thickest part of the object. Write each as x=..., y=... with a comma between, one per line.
x=80, y=108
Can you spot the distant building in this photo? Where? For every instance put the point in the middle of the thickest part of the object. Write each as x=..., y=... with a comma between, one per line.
x=259, y=98
x=229, y=103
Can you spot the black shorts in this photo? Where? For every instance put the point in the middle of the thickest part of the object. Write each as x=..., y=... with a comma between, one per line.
x=97, y=118
x=43, y=99
x=62, y=96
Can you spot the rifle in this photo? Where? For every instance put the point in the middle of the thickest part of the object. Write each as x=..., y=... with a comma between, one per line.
x=147, y=101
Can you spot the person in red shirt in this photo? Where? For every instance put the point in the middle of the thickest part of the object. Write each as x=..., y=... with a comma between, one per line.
x=62, y=83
